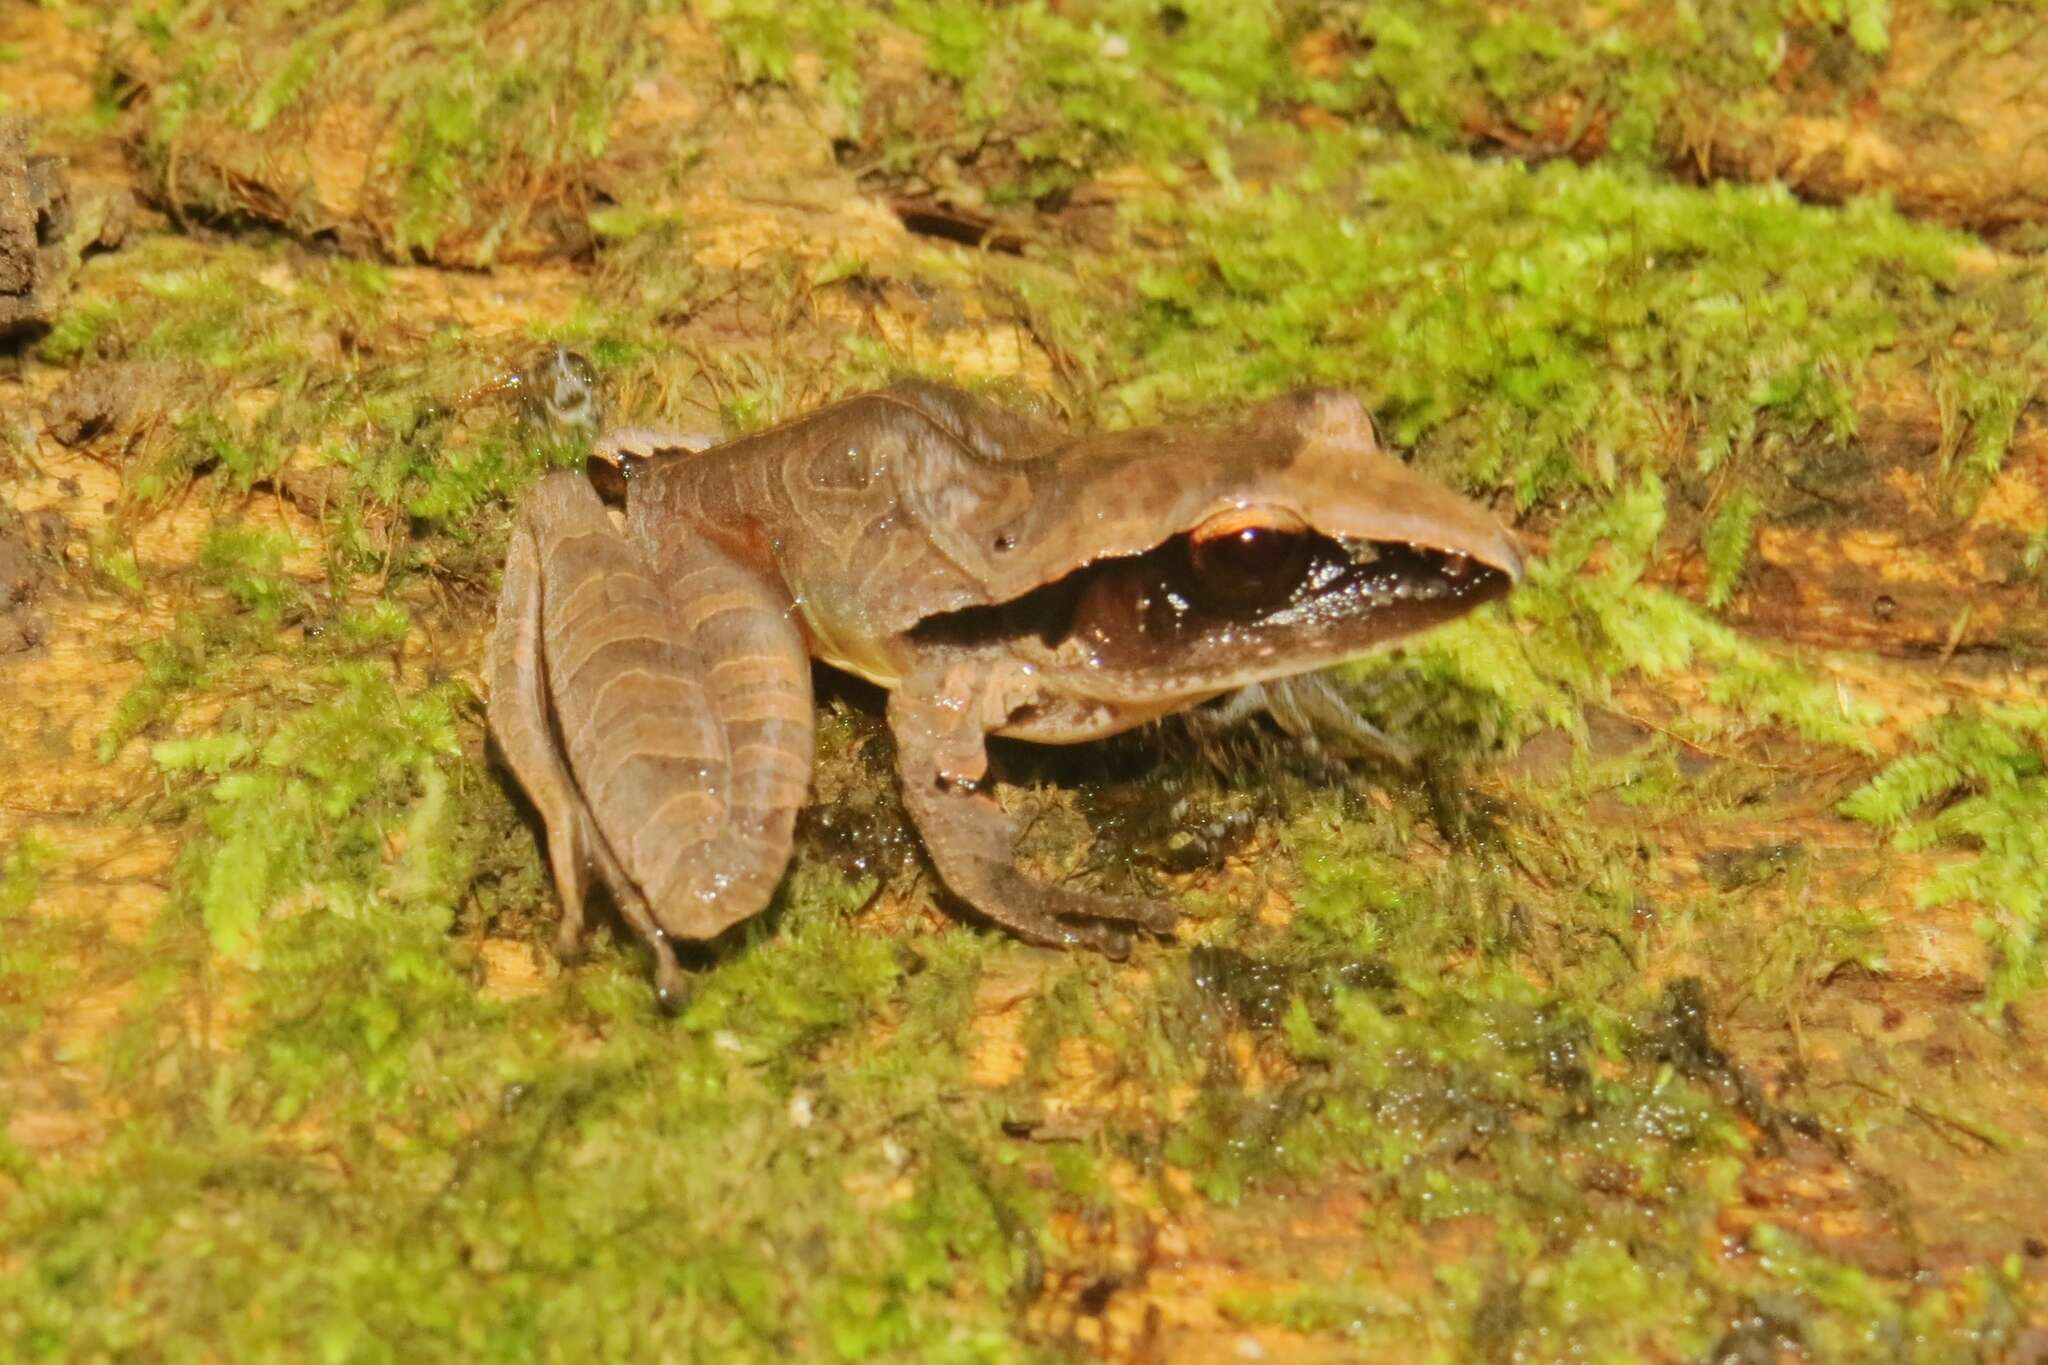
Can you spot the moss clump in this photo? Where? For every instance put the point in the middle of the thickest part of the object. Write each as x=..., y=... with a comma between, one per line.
x=1553, y=328
x=1509, y=1081
x=219, y=364
x=1986, y=772
x=461, y=151
x=568, y=1169
x=295, y=809
x=1022, y=103
x=182, y=660
x=38, y=955
x=1034, y=98
x=1557, y=78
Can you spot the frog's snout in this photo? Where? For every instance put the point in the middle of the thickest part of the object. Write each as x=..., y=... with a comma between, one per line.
x=1509, y=561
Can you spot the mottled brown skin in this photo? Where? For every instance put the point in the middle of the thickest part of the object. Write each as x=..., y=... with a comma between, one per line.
x=650, y=674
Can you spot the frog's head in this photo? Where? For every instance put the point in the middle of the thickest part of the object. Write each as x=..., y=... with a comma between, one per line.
x=1173, y=565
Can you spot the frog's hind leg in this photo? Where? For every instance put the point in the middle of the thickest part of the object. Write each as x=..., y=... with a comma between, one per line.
x=710, y=852
x=679, y=694
x=521, y=723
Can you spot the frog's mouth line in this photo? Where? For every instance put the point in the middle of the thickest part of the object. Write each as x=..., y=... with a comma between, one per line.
x=1186, y=611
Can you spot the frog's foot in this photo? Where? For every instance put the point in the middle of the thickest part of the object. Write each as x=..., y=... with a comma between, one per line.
x=671, y=982
x=658, y=714
x=1040, y=912
x=1311, y=709
x=939, y=754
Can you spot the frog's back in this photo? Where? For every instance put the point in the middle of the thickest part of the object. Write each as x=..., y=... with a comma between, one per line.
x=871, y=513
x=889, y=508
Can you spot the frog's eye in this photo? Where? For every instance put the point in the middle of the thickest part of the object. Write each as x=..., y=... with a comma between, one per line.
x=1247, y=561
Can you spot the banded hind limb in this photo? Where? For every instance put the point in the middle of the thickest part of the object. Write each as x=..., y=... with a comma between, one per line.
x=654, y=701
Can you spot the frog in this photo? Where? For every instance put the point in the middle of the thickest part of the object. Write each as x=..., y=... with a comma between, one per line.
x=996, y=574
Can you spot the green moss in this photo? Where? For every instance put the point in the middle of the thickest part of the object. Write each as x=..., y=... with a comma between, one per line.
x=473, y=147
x=1037, y=98
x=1980, y=410
x=1573, y=631
x=299, y=814
x=1043, y=96
x=1547, y=328
x=1447, y=70
x=1853, y=1317
x=762, y=39
x=395, y=452
x=38, y=956
x=624, y=1183
x=174, y=664
x=1727, y=542
x=648, y=1188
x=1466, y=1049
x=249, y=566
x=114, y=566
x=75, y=334
x=1988, y=773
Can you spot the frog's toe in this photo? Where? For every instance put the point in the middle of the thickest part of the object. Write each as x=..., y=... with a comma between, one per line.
x=1113, y=944
x=1070, y=929
x=1153, y=916
x=1111, y=939
x=671, y=983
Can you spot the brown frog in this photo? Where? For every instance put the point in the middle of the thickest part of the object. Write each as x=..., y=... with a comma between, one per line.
x=651, y=667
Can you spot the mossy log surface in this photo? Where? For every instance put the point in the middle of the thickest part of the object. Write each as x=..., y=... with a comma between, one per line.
x=1684, y=1003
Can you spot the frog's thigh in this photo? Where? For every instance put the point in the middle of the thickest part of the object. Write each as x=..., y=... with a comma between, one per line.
x=753, y=670
x=940, y=751
x=681, y=691
x=519, y=706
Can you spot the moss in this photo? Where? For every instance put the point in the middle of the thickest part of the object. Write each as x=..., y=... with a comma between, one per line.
x=1851, y=1316
x=1031, y=100
x=38, y=964
x=1470, y=1052
x=1726, y=542
x=75, y=335
x=297, y=810
x=469, y=150
x=1620, y=76
x=175, y=664
x=1040, y=97
x=332, y=868
x=249, y=566
x=1987, y=772
x=762, y=39
x=395, y=453
x=1551, y=328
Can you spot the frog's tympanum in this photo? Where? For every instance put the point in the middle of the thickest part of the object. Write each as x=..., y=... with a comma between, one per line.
x=650, y=671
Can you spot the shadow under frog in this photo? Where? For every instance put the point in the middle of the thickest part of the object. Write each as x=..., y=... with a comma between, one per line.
x=650, y=668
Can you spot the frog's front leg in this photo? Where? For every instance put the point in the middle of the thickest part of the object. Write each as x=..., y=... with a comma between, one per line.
x=941, y=722
x=654, y=701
